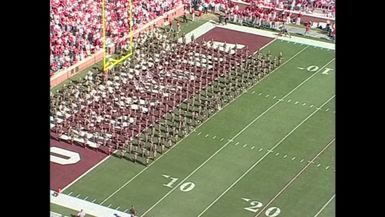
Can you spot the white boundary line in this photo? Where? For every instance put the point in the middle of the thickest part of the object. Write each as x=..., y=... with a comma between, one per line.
x=263, y=157
x=325, y=205
x=203, y=122
x=225, y=145
x=85, y=173
x=295, y=177
x=91, y=208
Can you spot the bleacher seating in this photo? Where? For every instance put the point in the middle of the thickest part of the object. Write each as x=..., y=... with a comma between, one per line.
x=76, y=26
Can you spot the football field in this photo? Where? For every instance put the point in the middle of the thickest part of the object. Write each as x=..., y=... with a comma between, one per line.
x=270, y=152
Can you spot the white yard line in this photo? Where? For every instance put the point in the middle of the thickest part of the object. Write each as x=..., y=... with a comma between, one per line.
x=263, y=157
x=294, y=178
x=252, y=122
x=125, y=184
x=85, y=173
x=325, y=205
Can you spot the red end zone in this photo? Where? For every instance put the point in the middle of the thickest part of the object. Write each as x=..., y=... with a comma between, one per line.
x=252, y=41
x=63, y=174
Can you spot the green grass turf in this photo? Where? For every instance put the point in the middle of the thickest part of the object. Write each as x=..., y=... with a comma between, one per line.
x=65, y=211
x=214, y=164
x=329, y=210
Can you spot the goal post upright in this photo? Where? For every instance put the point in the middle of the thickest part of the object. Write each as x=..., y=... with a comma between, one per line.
x=104, y=35
x=108, y=64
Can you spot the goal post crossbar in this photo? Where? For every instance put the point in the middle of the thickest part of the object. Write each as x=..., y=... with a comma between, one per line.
x=107, y=63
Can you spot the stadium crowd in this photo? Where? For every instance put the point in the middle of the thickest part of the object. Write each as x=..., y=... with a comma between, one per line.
x=272, y=14
x=327, y=7
x=76, y=26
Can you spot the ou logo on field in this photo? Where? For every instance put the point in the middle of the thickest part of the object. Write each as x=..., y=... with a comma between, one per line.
x=70, y=156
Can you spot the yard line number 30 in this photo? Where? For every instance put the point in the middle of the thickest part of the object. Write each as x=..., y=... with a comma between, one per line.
x=256, y=205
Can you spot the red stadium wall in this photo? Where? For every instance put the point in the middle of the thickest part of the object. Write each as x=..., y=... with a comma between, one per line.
x=61, y=76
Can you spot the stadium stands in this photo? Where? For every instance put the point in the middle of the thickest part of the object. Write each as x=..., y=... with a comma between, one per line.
x=76, y=29
x=326, y=7
x=269, y=13
x=267, y=10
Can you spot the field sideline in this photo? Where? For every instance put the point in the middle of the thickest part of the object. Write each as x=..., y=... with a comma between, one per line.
x=268, y=153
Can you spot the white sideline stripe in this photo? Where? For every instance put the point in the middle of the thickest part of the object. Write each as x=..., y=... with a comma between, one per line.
x=205, y=122
x=276, y=154
x=85, y=173
x=214, y=137
x=252, y=147
x=85, y=198
x=244, y=145
x=55, y=214
x=168, y=193
x=327, y=167
x=237, y=143
x=125, y=210
x=267, y=153
x=93, y=201
x=201, y=30
x=302, y=160
x=285, y=156
x=207, y=135
x=91, y=208
x=260, y=149
x=295, y=177
x=325, y=205
x=199, y=133
x=221, y=139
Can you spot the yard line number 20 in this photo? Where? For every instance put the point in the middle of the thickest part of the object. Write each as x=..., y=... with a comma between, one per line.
x=187, y=186
x=256, y=205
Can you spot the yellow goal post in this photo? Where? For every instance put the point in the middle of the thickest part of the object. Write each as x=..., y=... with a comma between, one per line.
x=108, y=62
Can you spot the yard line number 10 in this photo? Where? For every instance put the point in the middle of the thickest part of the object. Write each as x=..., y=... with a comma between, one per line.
x=185, y=187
